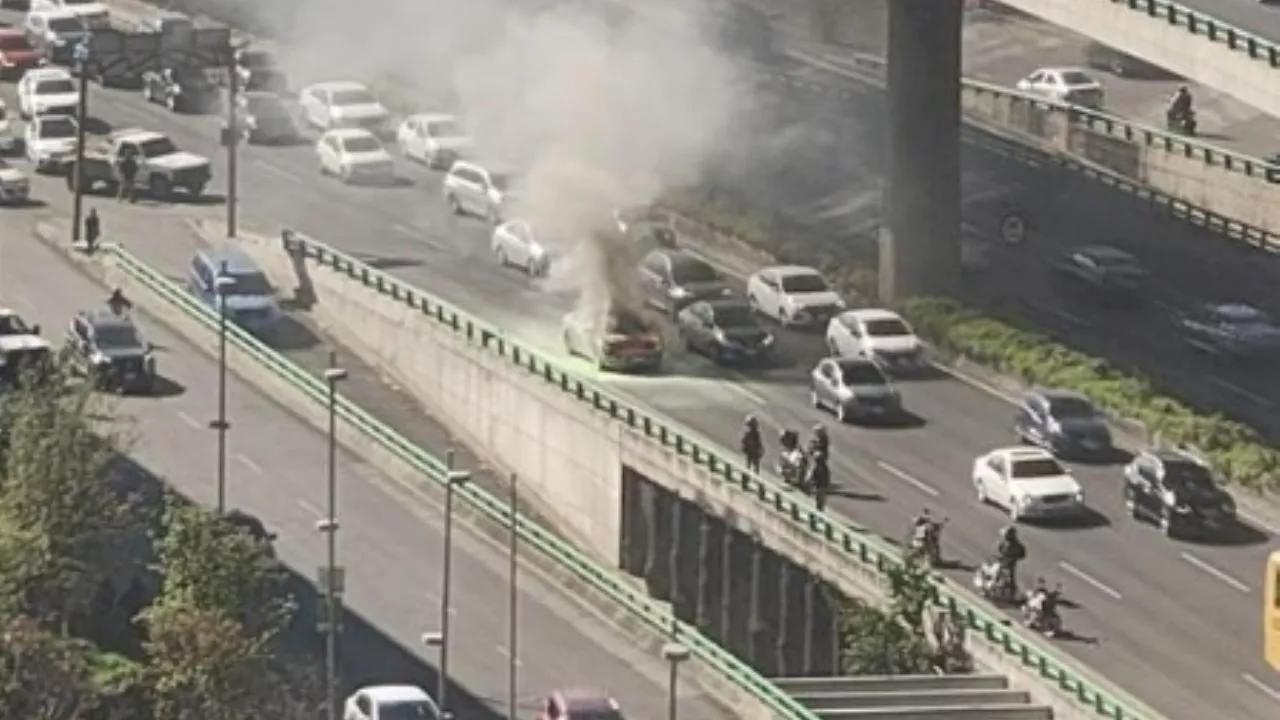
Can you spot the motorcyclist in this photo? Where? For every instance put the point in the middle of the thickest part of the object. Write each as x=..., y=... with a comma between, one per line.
x=820, y=442
x=752, y=443
x=1041, y=607
x=1010, y=552
x=819, y=478
x=922, y=529
x=792, y=463
x=1181, y=106
x=118, y=303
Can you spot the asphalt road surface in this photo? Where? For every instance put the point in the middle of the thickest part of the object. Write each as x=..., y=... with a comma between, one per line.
x=391, y=536
x=1175, y=623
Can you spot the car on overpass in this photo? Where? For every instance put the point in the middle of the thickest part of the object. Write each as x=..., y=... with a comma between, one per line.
x=390, y=702
x=725, y=330
x=1065, y=85
x=616, y=339
x=1232, y=330
x=1101, y=273
x=580, y=705
x=793, y=296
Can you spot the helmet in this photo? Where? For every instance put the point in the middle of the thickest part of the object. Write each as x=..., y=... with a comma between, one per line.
x=751, y=421
x=1009, y=532
x=820, y=431
x=1183, y=89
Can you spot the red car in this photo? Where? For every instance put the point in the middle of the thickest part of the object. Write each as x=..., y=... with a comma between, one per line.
x=16, y=53
x=580, y=705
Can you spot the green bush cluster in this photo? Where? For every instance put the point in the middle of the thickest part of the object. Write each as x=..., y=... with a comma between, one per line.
x=1234, y=449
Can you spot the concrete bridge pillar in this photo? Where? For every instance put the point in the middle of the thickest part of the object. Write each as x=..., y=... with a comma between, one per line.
x=657, y=575
x=920, y=250
x=687, y=520
x=786, y=618
x=737, y=602
x=766, y=567
x=712, y=578
x=635, y=526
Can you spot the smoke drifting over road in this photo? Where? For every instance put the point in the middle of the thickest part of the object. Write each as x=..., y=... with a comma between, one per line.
x=594, y=107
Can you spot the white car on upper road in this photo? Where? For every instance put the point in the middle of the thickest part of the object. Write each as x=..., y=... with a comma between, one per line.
x=390, y=702
x=481, y=190
x=92, y=13
x=49, y=140
x=47, y=91
x=354, y=155
x=1066, y=85
x=514, y=244
x=792, y=295
x=881, y=334
x=8, y=139
x=1028, y=483
x=344, y=104
x=437, y=140
x=15, y=186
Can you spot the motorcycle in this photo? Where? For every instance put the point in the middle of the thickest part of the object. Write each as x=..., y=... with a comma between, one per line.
x=793, y=466
x=995, y=582
x=1040, y=611
x=1182, y=123
x=925, y=542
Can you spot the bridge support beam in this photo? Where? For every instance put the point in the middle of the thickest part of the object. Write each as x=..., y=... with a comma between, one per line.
x=919, y=245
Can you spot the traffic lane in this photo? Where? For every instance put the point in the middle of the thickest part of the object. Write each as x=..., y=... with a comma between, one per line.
x=277, y=470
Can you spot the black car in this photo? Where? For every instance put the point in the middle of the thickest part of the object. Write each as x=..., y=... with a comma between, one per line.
x=185, y=90
x=262, y=118
x=1104, y=272
x=724, y=330
x=672, y=279
x=1177, y=492
x=109, y=349
x=1063, y=422
x=1232, y=330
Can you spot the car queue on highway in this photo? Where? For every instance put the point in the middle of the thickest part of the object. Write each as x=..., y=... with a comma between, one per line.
x=736, y=323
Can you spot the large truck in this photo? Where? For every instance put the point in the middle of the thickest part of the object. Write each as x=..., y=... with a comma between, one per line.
x=120, y=57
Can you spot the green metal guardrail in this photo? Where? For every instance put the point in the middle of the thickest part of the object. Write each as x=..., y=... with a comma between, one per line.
x=1199, y=23
x=656, y=615
x=1110, y=703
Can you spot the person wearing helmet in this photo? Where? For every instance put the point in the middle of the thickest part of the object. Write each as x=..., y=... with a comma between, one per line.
x=1011, y=551
x=1181, y=107
x=752, y=444
x=118, y=303
x=819, y=478
x=820, y=442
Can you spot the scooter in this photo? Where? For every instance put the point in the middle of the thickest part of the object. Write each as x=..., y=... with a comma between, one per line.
x=1182, y=123
x=994, y=581
x=926, y=542
x=1040, y=611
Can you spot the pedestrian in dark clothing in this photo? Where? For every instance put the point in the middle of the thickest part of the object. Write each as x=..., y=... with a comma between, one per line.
x=819, y=480
x=92, y=230
x=752, y=444
x=127, y=166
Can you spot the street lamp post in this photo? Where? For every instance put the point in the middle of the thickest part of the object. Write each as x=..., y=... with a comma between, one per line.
x=435, y=640
x=222, y=285
x=331, y=575
x=453, y=480
x=675, y=654
x=81, y=57
x=233, y=142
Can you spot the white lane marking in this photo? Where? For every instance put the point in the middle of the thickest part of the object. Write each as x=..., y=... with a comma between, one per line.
x=248, y=462
x=504, y=652
x=1246, y=394
x=418, y=234
x=1263, y=687
x=1206, y=567
x=974, y=382
x=749, y=394
x=406, y=230
x=188, y=420
x=920, y=485
x=1105, y=588
x=278, y=172
x=438, y=602
x=311, y=509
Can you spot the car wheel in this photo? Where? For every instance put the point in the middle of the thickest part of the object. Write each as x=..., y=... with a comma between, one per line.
x=344, y=174
x=814, y=400
x=1013, y=229
x=1118, y=68
x=833, y=347
x=324, y=170
x=455, y=207
x=502, y=257
x=784, y=318
x=981, y=490
x=842, y=413
x=159, y=186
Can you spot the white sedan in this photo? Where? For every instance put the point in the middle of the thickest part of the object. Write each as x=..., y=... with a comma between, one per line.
x=47, y=90
x=390, y=702
x=8, y=139
x=436, y=140
x=881, y=334
x=1067, y=85
x=49, y=140
x=343, y=104
x=15, y=187
x=354, y=155
x=1028, y=483
x=792, y=295
x=514, y=244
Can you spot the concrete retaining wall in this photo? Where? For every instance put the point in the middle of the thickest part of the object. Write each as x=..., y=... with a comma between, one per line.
x=567, y=459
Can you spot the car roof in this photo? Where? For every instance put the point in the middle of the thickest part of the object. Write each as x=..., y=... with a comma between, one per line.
x=395, y=693
x=725, y=304
x=105, y=318
x=1172, y=455
x=237, y=260
x=585, y=700
x=791, y=270
x=1237, y=309
x=1106, y=251
x=48, y=73
x=56, y=13
x=1067, y=69
x=1018, y=452
x=433, y=117
x=869, y=314
x=683, y=257
x=22, y=342
x=1052, y=394
x=8, y=312
x=262, y=95
x=337, y=85
x=846, y=361
x=136, y=134
x=349, y=133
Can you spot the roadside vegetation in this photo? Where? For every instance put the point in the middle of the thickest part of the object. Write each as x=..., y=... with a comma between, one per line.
x=118, y=599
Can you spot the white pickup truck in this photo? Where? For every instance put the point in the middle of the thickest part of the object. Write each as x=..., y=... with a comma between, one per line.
x=163, y=169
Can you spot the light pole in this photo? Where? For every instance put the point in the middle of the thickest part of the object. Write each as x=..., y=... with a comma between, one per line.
x=513, y=597
x=453, y=480
x=435, y=640
x=675, y=653
x=232, y=141
x=81, y=58
x=331, y=574
x=222, y=285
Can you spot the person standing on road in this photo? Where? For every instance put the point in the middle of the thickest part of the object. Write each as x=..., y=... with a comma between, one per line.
x=752, y=444
x=127, y=167
x=819, y=480
x=92, y=230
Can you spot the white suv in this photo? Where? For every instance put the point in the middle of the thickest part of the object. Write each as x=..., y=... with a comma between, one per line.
x=472, y=189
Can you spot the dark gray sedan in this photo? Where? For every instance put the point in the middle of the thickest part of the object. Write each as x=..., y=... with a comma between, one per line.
x=855, y=388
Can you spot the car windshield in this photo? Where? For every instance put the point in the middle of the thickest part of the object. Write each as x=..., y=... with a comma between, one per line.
x=444, y=129
x=13, y=325
x=61, y=86
x=1075, y=77
x=1243, y=315
x=56, y=128
x=413, y=710
x=734, y=316
x=156, y=147
x=14, y=42
x=1188, y=476
x=1036, y=468
x=692, y=272
x=66, y=25
x=117, y=337
x=861, y=374
x=805, y=283
x=252, y=283
x=361, y=144
x=353, y=97
x=887, y=327
x=1071, y=407
x=522, y=231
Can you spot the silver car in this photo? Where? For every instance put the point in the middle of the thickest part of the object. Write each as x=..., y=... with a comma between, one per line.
x=854, y=388
x=471, y=189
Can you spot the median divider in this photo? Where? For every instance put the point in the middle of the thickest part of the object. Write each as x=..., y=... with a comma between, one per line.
x=861, y=553
x=656, y=617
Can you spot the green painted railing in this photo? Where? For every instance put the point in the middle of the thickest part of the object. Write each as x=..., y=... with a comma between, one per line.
x=860, y=548
x=610, y=583
x=1204, y=25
